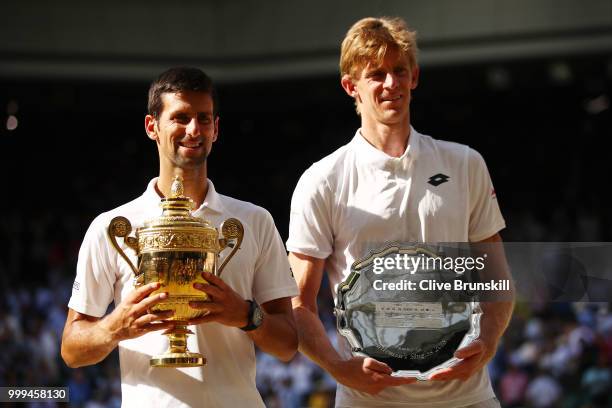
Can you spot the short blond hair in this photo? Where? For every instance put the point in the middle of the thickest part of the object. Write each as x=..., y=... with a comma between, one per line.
x=369, y=39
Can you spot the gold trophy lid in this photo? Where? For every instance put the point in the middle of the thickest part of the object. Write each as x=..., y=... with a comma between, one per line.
x=176, y=209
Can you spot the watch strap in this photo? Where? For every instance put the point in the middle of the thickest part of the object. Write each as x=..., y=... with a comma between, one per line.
x=252, y=323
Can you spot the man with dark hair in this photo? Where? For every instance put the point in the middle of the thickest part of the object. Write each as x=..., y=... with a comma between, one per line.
x=184, y=123
x=391, y=184
x=176, y=80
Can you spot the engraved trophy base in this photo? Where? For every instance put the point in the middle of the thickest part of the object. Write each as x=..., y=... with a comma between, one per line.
x=178, y=360
x=177, y=354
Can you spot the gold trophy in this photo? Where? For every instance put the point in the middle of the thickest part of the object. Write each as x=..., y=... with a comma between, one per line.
x=174, y=249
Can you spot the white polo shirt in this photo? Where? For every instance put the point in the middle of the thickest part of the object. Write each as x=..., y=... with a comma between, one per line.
x=359, y=198
x=259, y=270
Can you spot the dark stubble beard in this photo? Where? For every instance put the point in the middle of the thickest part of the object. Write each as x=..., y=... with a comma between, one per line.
x=192, y=162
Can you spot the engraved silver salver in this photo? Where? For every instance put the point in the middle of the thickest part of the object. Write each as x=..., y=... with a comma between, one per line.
x=395, y=307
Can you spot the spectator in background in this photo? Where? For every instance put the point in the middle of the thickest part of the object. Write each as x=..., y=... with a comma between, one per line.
x=513, y=385
x=544, y=391
x=79, y=388
x=597, y=381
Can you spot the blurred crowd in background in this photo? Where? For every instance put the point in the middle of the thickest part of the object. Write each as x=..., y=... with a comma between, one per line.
x=541, y=139
x=552, y=355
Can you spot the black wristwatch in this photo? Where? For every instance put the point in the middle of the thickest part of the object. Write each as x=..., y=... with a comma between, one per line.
x=255, y=318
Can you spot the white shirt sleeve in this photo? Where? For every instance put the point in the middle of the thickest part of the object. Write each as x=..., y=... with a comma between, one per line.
x=273, y=276
x=310, y=223
x=485, y=216
x=93, y=286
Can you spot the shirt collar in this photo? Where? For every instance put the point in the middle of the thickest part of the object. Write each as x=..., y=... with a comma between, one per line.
x=371, y=155
x=212, y=201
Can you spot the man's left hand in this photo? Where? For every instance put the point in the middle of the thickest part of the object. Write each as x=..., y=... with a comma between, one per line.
x=225, y=306
x=474, y=357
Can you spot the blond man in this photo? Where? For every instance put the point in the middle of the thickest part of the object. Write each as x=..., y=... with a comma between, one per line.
x=390, y=183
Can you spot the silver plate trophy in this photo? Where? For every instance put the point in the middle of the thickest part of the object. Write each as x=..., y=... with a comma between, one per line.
x=395, y=307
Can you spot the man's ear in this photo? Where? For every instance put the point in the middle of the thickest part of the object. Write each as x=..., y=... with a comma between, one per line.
x=216, y=124
x=415, y=77
x=348, y=85
x=150, y=123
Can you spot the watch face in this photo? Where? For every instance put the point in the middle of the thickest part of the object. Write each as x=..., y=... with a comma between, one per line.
x=257, y=316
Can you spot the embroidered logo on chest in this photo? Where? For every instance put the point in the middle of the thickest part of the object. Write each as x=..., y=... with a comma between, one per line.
x=438, y=179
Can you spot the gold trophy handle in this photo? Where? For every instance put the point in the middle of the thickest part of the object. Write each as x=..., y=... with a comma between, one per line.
x=121, y=227
x=233, y=232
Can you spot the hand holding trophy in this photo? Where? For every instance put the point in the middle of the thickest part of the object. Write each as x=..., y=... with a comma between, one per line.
x=174, y=250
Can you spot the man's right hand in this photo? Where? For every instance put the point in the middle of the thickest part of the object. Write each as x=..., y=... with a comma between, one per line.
x=367, y=375
x=88, y=339
x=132, y=317
x=361, y=373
